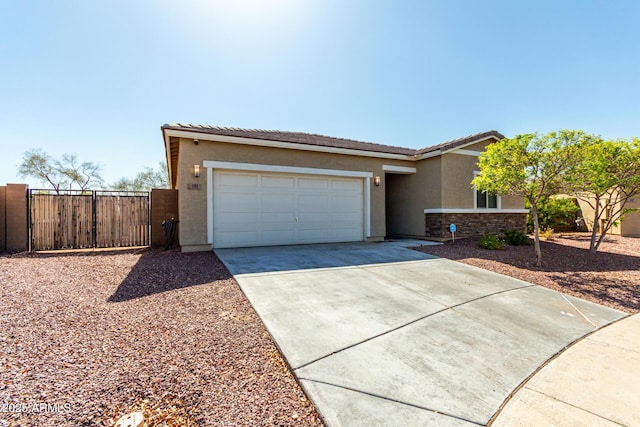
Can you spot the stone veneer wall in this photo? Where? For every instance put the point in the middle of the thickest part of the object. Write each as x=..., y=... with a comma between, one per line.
x=472, y=224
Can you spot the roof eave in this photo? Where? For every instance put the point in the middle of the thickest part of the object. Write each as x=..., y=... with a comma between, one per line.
x=206, y=136
x=167, y=155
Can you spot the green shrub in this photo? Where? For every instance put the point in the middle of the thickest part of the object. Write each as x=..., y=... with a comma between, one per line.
x=554, y=213
x=548, y=234
x=491, y=241
x=516, y=238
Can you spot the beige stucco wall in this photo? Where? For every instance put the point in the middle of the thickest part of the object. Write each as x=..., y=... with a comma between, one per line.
x=457, y=173
x=630, y=226
x=193, y=203
x=439, y=182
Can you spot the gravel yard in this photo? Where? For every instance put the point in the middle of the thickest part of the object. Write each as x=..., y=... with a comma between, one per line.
x=611, y=277
x=88, y=337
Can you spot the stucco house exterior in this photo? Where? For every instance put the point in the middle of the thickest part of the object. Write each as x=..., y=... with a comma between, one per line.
x=628, y=227
x=246, y=187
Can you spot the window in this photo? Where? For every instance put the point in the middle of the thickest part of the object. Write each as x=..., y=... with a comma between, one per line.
x=486, y=200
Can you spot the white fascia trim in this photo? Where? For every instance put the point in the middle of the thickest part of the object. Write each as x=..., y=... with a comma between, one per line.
x=367, y=207
x=211, y=165
x=210, y=206
x=398, y=169
x=466, y=152
x=288, y=145
x=453, y=150
x=284, y=169
x=167, y=154
x=465, y=210
x=475, y=141
x=430, y=154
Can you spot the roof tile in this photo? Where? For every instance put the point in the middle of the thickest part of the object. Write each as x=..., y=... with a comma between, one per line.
x=327, y=141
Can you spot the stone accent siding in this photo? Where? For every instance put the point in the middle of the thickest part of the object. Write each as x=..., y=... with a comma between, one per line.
x=472, y=224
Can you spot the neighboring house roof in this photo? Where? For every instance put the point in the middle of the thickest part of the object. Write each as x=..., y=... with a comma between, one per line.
x=328, y=141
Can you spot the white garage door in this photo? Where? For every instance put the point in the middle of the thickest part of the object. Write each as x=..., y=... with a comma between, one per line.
x=262, y=209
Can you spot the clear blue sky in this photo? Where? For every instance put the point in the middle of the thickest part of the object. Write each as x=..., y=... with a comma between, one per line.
x=99, y=78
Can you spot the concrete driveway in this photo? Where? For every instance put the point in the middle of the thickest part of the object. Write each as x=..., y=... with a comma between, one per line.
x=381, y=335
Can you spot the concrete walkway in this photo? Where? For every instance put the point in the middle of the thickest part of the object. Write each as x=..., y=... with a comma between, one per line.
x=378, y=334
x=595, y=382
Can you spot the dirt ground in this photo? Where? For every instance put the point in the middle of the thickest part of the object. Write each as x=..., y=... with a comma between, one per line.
x=88, y=337
x=611, y=277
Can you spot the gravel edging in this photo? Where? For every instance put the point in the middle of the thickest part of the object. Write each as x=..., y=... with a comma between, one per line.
x=95, y=335
x=611, y=277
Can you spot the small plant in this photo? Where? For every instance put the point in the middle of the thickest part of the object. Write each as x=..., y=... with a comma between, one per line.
x=516, y=238
x=491, y=241
x=548, y=234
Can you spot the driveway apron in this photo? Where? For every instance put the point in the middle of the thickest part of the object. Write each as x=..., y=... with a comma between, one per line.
x=381, y=335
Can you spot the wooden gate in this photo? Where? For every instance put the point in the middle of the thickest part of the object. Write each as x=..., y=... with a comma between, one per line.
x=89, y=219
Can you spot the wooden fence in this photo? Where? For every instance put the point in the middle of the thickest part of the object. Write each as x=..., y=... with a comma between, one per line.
x=89, y=219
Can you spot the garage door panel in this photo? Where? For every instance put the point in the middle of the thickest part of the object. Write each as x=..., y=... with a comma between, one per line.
x=346, y=217
x=278, y=202
x=240, y=218
x=240, y=202
x=277, y=236
x=273, y=182
x=313, y=183
x=345, y=235
x=237, y=238
x=313, y=203
x=278, y=217
x=340, y=203
x=313, y=236
x=237, y=180
x=262, y=209
x=343, y=185
x=322, y=218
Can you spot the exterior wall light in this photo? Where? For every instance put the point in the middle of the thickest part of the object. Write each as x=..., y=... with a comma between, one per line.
x=196, y=171
x=376, y=181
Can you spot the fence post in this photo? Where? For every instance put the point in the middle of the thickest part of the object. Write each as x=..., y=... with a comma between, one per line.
x=3, y=218
x=16, y=220
x=94, y=227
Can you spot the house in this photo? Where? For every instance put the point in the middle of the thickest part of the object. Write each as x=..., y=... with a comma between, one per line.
x=628, y=227
x=247, y=187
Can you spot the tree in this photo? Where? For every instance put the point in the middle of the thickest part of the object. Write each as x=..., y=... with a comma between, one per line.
x=145, y=180
x=39, y=165
x=606, y=178
x=80, y=173
x=66, y=172
x=532, y=166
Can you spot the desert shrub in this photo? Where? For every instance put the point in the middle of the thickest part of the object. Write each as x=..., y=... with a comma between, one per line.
x=516, y=238
x=554, y=213
x=547, y=234
x=491, y=241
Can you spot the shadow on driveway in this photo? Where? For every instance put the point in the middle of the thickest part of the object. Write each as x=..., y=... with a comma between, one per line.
x=306, y=257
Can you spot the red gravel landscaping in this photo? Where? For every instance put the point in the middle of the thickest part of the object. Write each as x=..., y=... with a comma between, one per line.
x=611, y=277
x=88, y=337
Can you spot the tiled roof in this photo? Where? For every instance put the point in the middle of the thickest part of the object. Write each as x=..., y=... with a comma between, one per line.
x=461, y=141
x=325, y=141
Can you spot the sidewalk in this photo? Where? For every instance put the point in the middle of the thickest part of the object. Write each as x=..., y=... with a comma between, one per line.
x=595, y=382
